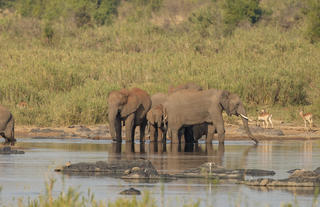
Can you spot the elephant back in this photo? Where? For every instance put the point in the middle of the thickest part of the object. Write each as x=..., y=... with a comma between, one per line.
x=158, y=98
x=144, y=102
x=191, y=86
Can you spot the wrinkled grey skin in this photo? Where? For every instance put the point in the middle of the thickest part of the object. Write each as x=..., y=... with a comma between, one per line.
x=195, y=132
x=158, y=98
x=130, y=106
x=186, y=108
x=156, y=124
x=7, y=125
x=155, y=118
x=158, y=129
x=191, y=86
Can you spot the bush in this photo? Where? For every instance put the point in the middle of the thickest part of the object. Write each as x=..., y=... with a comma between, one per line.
x=313, y=30
x=48, y=32
x=105, y=11
x=102, y=11
x=6, y=3
x=236, y=11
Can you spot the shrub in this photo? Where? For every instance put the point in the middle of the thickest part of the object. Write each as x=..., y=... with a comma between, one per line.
x=106, y=10
x=313, y=29
x=82, y=16
x=236, y=11
x=6, y=3
x=48, y=32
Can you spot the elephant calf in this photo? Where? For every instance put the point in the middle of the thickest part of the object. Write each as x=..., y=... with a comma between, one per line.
x=195, y=132
x=7, y=125
x=156, y=123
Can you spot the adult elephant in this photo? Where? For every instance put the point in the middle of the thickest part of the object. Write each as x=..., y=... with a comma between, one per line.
x=189, y=86
x=7, y=125
x=187, y=108
x=155, y=115
x=130, y=106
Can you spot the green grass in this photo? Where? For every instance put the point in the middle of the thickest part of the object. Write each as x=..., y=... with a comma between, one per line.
x=66, y=80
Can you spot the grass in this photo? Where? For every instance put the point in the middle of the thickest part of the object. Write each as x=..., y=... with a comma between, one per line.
x=73, y=198
x=66, y=80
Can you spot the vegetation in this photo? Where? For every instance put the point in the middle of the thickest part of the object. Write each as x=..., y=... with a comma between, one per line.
x=63, y=57
x=73, y=198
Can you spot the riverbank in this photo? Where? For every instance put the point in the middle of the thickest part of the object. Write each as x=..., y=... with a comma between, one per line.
x=101, y=132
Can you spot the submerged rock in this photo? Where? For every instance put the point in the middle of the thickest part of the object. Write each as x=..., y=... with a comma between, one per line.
x=298, y=178
x=7, y=150
x=143, y=169
x=130, y=191
x=211, y=170
x=136, y=169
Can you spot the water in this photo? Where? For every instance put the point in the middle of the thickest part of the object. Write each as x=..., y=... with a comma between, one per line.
x=24, y=176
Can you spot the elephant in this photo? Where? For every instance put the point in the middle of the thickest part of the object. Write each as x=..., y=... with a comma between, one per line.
x=156, y=123
x=195, y=132
x=7, y=125
x=158, y=98
x=190, y=85
x=158, y=129
x=131, y=107
x=187, y=108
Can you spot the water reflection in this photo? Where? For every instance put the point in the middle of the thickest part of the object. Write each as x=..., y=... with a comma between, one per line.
x=167, y=157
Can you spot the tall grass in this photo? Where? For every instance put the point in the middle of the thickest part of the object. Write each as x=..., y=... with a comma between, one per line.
x=66, y=80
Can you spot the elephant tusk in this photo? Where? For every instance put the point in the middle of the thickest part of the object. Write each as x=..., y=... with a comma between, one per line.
x=243, y=116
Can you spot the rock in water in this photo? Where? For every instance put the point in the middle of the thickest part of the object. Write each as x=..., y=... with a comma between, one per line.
x=8, y=150
x=130, y=191
x=119, y=168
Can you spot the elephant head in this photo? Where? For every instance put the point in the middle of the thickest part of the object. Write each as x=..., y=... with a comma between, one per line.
x=156, y=115
x=233, y=105
x=120, y=105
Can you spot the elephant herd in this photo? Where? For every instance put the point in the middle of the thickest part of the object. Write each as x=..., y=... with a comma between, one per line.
x=185, y=114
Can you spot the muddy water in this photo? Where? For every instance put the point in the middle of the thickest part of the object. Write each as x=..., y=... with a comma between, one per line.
x=23, y=176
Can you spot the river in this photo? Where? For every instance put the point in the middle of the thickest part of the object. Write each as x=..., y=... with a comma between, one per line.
x=23, y=176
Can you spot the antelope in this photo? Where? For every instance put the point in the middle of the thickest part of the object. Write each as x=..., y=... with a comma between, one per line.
x=265, y=117
x=22, y=104
x=307, y=117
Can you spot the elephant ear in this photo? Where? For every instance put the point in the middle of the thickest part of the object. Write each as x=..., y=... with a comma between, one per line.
x=130, y=106
x=225, y=101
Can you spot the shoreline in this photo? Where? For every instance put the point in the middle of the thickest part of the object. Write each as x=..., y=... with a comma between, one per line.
x=101, y=132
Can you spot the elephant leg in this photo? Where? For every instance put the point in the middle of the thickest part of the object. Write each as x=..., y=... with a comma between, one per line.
x=210, y=134
x=130, y=128
x=152, y=132
x=181, y=135
x=5, y=138
x=143, y=130
x=118, y=130
x=221, y=132
x=162, y=134
x=175, y=136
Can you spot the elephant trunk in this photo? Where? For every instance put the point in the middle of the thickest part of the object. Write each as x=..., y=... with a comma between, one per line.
x=114, y=123
x=241, y=111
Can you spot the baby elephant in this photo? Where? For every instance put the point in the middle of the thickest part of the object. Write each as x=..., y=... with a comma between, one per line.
x=156, y=121
x=7, y=125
